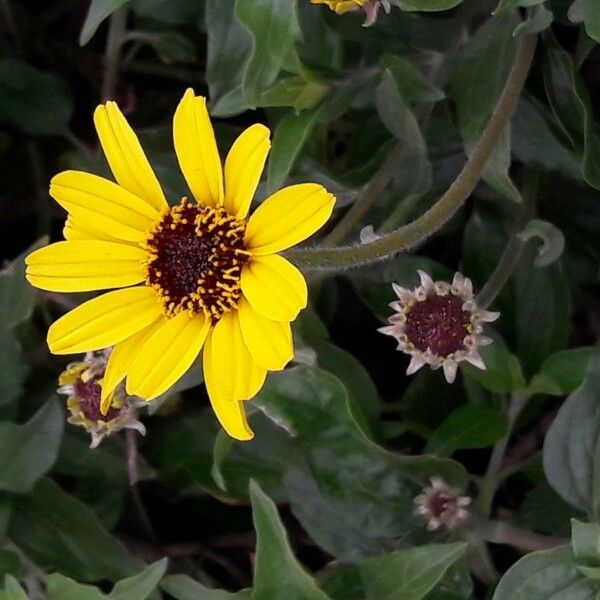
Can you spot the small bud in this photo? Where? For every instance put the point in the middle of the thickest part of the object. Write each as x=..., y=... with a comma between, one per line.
x=439, y=324
x=370, y=7
x=82, y=383
x=441, y=506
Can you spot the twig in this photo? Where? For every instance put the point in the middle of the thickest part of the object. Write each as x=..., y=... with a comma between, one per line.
x=430, y=222
x=117, y=31
x=500, y=532
x=134, y=477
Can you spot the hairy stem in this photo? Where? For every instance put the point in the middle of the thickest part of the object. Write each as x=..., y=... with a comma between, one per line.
x=117, y=30
x=430, y=222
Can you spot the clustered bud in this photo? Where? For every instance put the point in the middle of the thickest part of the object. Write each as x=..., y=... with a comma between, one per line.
x=439, y=324
x=82, y=383
x=441, y=506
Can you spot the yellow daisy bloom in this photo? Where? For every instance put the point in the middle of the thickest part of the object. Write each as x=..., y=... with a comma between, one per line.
x=342, y=6
x=199, y=274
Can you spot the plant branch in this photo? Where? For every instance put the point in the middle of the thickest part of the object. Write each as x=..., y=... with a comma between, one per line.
x=500, y=532
x=432, y=220
x=117, y=31
x=512, y=253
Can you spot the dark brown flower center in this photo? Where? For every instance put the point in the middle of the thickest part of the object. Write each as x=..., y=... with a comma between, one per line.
x=88, y=396
x=196, y=259
x=439, y=504
x=438, y=323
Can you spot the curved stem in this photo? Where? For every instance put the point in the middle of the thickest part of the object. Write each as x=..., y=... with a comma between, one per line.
x=431, y=221
x=117, y=30
x=512, y=253
x=499, y=532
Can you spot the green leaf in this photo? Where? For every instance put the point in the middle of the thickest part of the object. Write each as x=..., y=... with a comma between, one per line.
x=563, y=372
x=278, y=575
x=346, y=508
x=508, y=4
x=296, y=92
x=538, y=20
x=28, y=451
x=138, y=587
x=35, y=102
x=470, y=426
x=591, y=17
x=572, y=446
x=571, y=104
x=408, y=574
x=273, y=25
x=59, y=532
x=98, y=11
x=411, y=84
x=228, y=48
x=182, y=587
x=585, y=539
x=13, y=590
x=426, y=5
x=290, y=136
x=503, y=372
x=475, y=87
x=543, y=575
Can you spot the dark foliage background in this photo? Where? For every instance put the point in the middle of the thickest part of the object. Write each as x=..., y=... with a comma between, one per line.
x=344, y=440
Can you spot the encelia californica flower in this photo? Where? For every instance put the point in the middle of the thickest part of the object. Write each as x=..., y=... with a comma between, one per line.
x=371, y=7
x=82, y=383
x=439, y=324
x=440, y=505
x=200, y=274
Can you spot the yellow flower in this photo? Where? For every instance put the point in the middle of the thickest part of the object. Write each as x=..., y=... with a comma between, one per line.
x=342, y=6
x=370, y=7
x=210, y=276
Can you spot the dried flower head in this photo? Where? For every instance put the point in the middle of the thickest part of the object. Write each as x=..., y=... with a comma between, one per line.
x=440, y=505
x=371, y=7
x=439, y=324
x=82, y=383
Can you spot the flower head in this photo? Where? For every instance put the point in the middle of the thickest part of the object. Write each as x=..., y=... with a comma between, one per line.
x=371, y=7
x=199, y=274
x=439, y=324
x=441, y=506
x=82, y=383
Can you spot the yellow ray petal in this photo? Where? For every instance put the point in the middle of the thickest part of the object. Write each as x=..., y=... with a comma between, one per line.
x=125, y=156
x=104, y=321
x=99, y=204
x=83, y=266
x=288, y=217
x=196, y=150
x=120, y=359
x=230, y=412
x=243, y=168
x=74, y=231
x=274, y=287
x=230, y=375
x=269, y=342
x=167, y=355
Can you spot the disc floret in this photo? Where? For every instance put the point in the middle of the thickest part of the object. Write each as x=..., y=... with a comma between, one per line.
x=196, y=255
x=439, y=324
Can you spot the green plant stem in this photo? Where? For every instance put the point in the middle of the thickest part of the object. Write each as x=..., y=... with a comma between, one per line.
x=430, y=222
x=500, y=532
x=117, y=31
x=512, y=253
x=489, y=484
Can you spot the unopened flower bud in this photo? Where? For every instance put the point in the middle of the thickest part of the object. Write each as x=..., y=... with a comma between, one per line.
x=441, y=506
x=370, y=7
